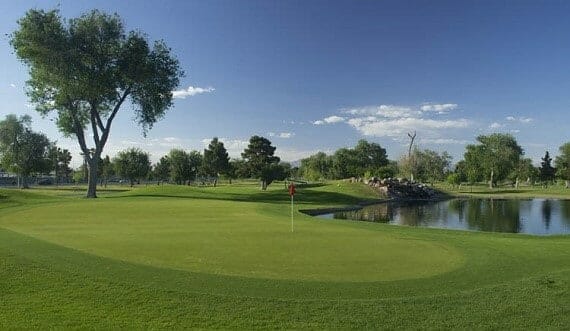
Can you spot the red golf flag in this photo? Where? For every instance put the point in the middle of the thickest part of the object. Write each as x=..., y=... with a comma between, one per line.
x=291, y=189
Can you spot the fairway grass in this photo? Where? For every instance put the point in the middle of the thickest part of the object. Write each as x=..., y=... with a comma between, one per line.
x=225, y=257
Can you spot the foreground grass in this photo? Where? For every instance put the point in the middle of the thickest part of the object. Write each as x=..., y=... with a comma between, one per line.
x=224, y=257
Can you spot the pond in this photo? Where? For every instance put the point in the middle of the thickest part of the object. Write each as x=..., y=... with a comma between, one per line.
x=532, y=216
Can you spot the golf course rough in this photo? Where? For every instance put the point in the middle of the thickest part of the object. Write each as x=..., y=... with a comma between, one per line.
x=225, y=257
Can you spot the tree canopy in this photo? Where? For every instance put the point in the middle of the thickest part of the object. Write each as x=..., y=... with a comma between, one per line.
x=494, y=157
x=260, y=160
x=216, y=159
x=84, y=69
x=562, y=163
x=23, y=151
x=132, y=164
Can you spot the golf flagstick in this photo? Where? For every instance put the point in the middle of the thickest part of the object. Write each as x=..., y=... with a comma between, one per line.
x=292, y=228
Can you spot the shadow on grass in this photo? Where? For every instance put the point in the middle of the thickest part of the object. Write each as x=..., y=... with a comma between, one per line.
x=275, y=197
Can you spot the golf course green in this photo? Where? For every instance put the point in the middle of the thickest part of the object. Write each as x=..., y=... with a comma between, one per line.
x=225, y=257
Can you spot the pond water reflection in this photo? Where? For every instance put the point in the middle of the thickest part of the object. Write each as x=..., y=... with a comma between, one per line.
x=532, y=216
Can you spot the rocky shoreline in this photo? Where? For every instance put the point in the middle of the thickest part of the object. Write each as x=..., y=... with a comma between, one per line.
x=390, y=189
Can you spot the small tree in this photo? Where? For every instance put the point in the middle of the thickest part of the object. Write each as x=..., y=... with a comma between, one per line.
x=107, y=170
x=260, y=160
x=216, y=159
x=523, y=170
x=23, y=151
x=547, y=172
x=240, y=168
x=562, y=163
x=196, y=161
x=453, y=179
x=162, y=169
x=59, y=160
x=132, y=164
x=180, y=168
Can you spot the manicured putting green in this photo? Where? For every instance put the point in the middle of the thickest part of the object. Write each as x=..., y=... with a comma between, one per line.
x=232, y=238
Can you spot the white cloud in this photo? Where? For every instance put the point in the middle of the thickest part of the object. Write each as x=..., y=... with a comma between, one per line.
x=439, y=108
x=12, y=85
x=496, y=125
x=333, y=119
x=284, y=135
x=521, y=119
x=525, y=119
x=389, y=111
x=515, y=131
x=171, y=139
x=396, y=127
x=444, y=141
x=191, y=91
x=319, y=122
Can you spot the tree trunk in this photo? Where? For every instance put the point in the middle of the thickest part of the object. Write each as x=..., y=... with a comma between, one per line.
x=517, y=183
x=263, y=185
x=491, y=181
x=25, y=182
x=92, y=178
x=215, y=181
x=566, y=183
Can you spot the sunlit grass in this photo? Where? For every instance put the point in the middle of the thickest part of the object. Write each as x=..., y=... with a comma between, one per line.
x=225, y=257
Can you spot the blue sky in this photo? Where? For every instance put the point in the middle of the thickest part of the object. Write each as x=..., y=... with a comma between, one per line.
x=320, y=75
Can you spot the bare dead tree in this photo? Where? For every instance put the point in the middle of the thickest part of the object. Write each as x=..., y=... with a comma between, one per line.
x=410, y=160
x=412, y=137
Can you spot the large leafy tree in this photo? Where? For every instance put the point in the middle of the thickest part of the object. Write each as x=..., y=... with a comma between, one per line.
x=562, y=163
x=494, y=157
x=23, y=151
x=370, y=157
x=132, y=164
x=85, y=69
x=317, y=167
x=216, y=159
x=260, y=160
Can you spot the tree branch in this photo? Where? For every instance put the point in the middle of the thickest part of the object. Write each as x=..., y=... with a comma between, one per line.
x=78, y=130
x=93, y=113
x=107, y=129
x=99, y=121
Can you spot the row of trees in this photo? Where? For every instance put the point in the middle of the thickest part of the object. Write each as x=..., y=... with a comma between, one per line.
x=493, y=159
x=25, y=152
x=364, y=159
x=181, y=167
x=368, y=159
x=498, y=157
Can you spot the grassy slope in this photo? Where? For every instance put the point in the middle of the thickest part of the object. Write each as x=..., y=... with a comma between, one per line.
x=523, y=192
x=114, y=271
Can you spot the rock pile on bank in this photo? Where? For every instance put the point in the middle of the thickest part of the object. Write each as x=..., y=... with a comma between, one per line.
x=402, y=189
